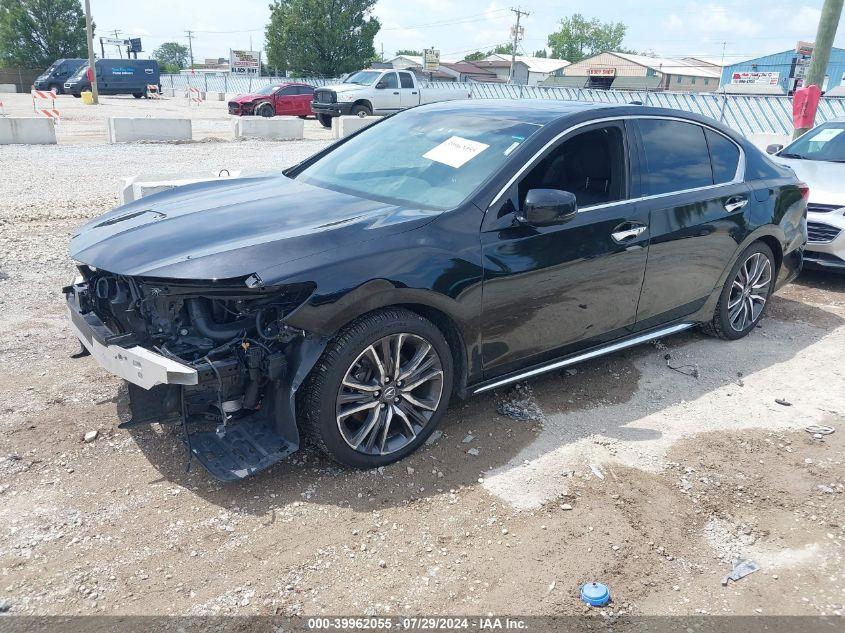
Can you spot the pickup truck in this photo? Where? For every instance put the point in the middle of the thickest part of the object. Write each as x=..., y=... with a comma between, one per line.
x=373, y=91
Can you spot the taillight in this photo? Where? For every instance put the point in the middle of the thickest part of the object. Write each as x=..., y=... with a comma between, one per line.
x=804, y=188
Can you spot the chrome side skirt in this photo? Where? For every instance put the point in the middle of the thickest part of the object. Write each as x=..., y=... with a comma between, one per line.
x=608, y=349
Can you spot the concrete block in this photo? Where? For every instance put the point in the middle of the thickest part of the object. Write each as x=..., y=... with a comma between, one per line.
x=8, y=88
x=126, y=130
x=27, y=131
x=278, y=127
x=343, y=126
x=132, y=189
x=762, y=140
x=215, y=96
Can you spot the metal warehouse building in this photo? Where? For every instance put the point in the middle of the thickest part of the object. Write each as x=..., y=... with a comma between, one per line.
x=782, y=73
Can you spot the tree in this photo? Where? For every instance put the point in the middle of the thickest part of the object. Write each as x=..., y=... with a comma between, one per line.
x=35, y=33
x=579, y=38
x=502, y=49
x=541, y=53
x=172, y=56
x=325, y=38
x=408, y=51
x=476, y=56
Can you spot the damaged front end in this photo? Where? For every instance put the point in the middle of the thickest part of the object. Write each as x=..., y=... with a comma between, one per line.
x=215, y=356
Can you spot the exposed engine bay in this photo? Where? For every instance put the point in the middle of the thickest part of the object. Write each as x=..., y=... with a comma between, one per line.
x=232, y=332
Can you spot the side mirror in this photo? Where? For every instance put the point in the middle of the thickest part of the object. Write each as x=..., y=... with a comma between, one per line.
x=381, y=85
x=774, y=148
x=547, y=207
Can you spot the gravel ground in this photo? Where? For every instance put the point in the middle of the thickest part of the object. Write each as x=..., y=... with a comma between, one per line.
x=621, y=469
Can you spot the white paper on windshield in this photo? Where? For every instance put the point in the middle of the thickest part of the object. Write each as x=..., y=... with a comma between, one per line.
x=455, y=151
x=826, y=135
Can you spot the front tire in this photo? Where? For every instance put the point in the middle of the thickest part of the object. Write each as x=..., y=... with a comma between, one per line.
x=58, y=89
x=379, y=389
x=266, y=110
x=325, y=120
x=361, y=111
x=745, y=294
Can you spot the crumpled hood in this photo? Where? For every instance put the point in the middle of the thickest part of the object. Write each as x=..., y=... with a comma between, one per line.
x=248, y=98
x=233, y=228
x=824, y=178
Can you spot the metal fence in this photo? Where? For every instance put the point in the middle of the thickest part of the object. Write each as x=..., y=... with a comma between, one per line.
x=747, y=114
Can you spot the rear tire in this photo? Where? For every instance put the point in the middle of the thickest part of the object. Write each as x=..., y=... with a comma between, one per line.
x=745, y=295
x=325, y=120
x=362, y=410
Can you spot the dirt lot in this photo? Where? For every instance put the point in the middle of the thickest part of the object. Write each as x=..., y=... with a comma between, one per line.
x=81, y=124
x=626, y=471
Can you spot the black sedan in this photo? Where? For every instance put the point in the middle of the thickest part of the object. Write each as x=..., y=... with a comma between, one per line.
x=450, y=249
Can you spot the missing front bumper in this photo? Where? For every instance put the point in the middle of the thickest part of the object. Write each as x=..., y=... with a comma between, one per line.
x=134, y=364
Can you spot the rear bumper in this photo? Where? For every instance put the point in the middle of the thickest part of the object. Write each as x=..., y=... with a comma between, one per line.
x=332, y=109
x=134, y=364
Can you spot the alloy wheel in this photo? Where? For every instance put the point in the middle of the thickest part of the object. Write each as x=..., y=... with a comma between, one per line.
x=749, y=292
x=389, y=394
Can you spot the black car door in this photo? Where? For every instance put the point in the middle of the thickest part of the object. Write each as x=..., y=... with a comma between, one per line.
x=552, y=289
x=696, y=208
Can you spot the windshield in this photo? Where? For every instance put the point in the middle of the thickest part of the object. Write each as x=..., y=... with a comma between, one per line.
x=425, y=159
x=362, y=78
x=78, y=74
x=267, y=90
x=52, y=67
x=825, y=142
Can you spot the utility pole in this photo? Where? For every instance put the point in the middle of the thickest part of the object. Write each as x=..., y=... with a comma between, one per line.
x=191, y=36
x=516, y=37
x=117, y=37
x=828, y=22
x=89, y=31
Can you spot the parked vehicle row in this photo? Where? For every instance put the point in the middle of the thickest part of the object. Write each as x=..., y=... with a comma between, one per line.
x=449, y=250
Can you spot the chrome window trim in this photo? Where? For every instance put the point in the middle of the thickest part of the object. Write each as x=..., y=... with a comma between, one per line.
x=739, y=175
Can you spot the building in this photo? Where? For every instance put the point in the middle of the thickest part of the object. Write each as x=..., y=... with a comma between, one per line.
x=405, y=62
x=469, y=72
x=502, y=70
x=782, y=73
x=624, y=71
x=539, y=68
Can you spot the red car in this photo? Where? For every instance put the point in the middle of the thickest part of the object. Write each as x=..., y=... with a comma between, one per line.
x=290, y=99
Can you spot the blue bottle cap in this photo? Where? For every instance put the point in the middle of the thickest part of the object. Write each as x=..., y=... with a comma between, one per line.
x=595, y=594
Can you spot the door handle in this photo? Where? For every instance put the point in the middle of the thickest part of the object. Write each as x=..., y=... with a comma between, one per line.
x=735, y=203
x=396, y=93
x=626, y=235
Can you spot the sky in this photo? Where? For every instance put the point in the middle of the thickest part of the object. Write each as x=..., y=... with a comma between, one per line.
x=745, y=28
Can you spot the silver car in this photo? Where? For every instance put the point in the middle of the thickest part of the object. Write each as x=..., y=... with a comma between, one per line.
x=818, y=158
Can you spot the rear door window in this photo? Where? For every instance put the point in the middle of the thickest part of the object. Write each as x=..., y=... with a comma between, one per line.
x=724, y=156
x=406, y=80
x=305, y=90
x=676, y=156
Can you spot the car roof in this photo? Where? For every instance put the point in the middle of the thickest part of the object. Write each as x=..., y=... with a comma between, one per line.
x=543, y=111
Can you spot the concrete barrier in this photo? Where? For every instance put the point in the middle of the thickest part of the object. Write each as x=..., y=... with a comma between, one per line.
x=343, y=126
x=133, y=189
x=137, y=129
x=278, y=128
x=8, y=88
x=27, y=131
x=215, y=96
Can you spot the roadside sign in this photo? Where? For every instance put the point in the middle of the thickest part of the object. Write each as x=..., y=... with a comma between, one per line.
x=757, y=78
x=805, y=48
x=431, y=59
x=244, y=62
